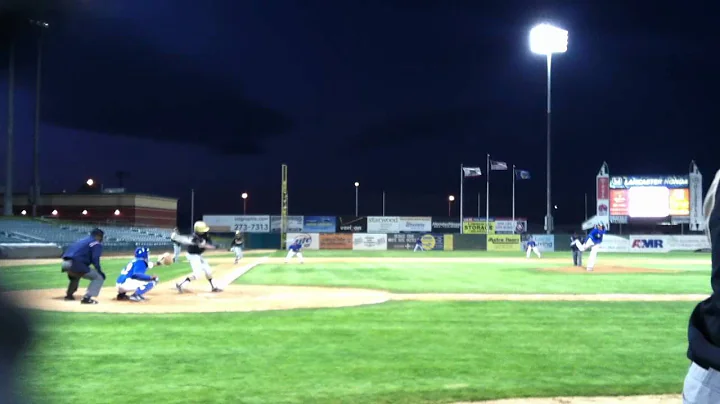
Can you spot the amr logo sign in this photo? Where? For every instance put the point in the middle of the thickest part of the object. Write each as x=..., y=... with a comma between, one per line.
x=648, y=243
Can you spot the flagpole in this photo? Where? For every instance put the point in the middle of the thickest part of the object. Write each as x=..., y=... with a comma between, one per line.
x=513, y=199
x=478, y=204
x=487, y=198
x=462, y=180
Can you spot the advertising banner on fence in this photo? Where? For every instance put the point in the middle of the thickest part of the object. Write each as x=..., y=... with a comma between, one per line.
x=663, y=243
x=545, y=242
x=507, y=226
x=375, y=242
x=613, y=243
x=310, y=241
x=319, y=224
x=351, y=224
x=383, y=224
x=406, y=241
x=689, y=243
x=337, y=241
x=445, y=225
x=294, y=224
x=478, y=227
x=504, y=242
x=244, y=223
x=417, y=224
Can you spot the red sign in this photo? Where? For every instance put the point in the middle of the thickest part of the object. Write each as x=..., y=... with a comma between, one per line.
x=603, y=188
x=619, y=202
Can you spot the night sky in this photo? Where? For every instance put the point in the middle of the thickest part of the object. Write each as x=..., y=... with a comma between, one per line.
x=214, y=95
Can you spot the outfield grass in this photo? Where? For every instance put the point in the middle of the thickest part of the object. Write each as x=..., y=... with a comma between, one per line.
x=408, y=352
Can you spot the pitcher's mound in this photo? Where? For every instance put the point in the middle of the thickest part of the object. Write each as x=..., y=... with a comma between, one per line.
x=166, y=299
x=608, y=269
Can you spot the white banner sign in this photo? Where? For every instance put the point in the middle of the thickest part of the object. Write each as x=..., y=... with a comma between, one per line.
x=294, y=224
x=413, y=224
x=697, y=220
x=244, y=223
x=376, y=242
x=662, y=243
x=503, y=226
x=383, y=224
x=310, y=241
x=613, y=243
x=545, y=242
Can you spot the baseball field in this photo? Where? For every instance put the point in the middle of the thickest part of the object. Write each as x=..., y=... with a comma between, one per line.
x=374, y=327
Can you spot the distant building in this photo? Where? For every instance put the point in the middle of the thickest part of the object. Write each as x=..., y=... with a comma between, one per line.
x=120, y=208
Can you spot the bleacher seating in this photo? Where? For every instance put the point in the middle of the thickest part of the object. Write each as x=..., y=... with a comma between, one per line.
x=63, y=234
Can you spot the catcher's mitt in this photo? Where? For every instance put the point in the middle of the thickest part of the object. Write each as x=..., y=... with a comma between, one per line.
x=165, y=259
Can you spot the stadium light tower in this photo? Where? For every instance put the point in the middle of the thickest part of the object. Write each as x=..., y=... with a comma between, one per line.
x=244, y=198
x=42, y=26
x=357, y=188
x=546, y=39
x=451, y=199
x=90, y=182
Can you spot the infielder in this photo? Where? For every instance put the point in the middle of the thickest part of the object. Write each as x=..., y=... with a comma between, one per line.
x=134, y=279
x=236, y=246
x=419, y=245
x=592, y=242
x=177, y=247
x=295, y=250
x=532, y=248
x=77, y=259
x=199, y=243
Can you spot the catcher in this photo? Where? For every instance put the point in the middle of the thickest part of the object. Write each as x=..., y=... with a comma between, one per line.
x=237, y=245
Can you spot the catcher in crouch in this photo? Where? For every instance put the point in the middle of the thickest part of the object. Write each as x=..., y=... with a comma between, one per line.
x=198, y=243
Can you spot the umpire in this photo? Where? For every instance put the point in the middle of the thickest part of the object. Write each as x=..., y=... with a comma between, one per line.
x=577, y=254
x=76, y=263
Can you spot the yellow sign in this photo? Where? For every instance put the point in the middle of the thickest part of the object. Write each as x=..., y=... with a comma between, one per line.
x=507, y=242
x=448, y=242
x=478, y=227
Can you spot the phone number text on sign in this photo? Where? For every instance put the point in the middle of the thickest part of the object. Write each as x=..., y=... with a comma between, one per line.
x=252, y=224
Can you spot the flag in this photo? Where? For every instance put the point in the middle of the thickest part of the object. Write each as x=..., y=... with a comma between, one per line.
x=522, y=174
x=472, y=171
x=498, y=165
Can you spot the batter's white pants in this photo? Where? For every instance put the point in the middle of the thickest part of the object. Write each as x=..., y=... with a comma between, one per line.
x=594, y=248
x=238, y=252
x=533, y=250
x=176, y=252
x=419, y=247
x=292, y=253
x=199, y=265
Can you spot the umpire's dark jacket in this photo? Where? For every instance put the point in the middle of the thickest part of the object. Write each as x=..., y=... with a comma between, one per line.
x=704, y=327
x=573, y=247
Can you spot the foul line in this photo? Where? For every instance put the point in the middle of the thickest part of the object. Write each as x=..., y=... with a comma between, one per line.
x=238, y=272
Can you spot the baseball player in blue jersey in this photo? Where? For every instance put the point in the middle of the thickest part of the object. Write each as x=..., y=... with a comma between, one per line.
x=295, y=250
x=76, y=261
x=532, y=248
x=419, y=245
x=592, y=242
x=134, y=279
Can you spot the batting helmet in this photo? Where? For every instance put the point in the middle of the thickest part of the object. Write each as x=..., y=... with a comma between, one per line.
x=201, y=227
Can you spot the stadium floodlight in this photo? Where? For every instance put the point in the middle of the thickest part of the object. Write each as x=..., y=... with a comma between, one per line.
x=54, y=212
x=244, y=197
x=546, y=39
x=90, y=182
x=84, y=212
x=117, y=212
x=451, y=198
x=357, y=199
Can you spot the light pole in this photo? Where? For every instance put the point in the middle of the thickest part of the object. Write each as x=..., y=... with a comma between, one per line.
x=546, y=39
x=244, y=198
x=357, y=188
x=451, y=199
x=38, y=85
x=90, y=182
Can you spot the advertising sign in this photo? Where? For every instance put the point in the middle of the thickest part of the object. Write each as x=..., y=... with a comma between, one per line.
x=371, y=242
x=619, y=202
x=473, y=227
x=406, y=241
x=445, y=225
x=507, y=226
x=414, y=224
x=613, y=243
x=667, y=181
x=383, y=224
x=697, y=222
x=602, y=192
x=545, y=242
x=319, y=224
x=294, y=224
x=689, y=243
x=310, y=241
x=649, y=244
x=338, y=241
x=244, y=223
x=504, y=242
x=351, y=224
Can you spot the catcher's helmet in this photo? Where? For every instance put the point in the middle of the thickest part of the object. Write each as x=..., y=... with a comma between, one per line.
x=142, y=252
x=201, y=227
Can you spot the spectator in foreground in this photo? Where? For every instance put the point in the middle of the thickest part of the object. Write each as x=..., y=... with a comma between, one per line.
x=702, y=383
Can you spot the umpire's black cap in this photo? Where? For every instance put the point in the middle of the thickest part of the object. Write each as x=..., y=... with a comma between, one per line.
x=97, y=232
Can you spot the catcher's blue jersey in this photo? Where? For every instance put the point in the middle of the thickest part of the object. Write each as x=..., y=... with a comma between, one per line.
x=135, y=270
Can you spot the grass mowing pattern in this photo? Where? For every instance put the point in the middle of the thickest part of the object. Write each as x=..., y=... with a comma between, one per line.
x=407, y=352
x=473, y=278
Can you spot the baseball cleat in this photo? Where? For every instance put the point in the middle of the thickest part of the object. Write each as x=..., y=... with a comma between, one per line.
x=589, y=269
x=216, y=290
x=88, y=300
x=69, y=298
x=135, y=298
x=179, y=288
x=122, y=296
